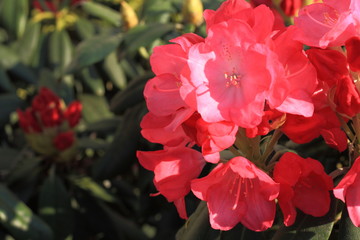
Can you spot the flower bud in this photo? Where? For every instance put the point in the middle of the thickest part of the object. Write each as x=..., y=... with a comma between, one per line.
x=129, y=15
x=193, y=12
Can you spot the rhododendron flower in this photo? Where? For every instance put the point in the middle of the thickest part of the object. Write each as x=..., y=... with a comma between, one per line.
x=329, y=23
x=44, y=100
x=348, y=191
x=238, y=191
x=331, y=65
x=174, y=168
x=353, y=53
x=346, y=97
x=323, y=122
x=28, y=121
x=230, y=75
x=73, y=113
x=214, y=137
x=64, y=140
x=303, y=185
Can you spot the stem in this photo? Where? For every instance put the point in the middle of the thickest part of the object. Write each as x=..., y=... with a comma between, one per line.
x=270, y=146
x=346, y=128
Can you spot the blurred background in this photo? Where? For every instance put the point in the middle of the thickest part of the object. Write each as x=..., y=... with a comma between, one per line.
x=72, y=74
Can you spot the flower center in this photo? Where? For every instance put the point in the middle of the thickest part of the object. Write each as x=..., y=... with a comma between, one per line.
x=233, y=79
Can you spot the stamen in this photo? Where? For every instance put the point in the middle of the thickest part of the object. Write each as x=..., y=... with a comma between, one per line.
x=238, y=193
x=326, y=21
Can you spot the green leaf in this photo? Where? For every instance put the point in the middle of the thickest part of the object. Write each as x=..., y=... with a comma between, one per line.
x=93, y=50
x=198, y=226
x=102, y=219
x=122, y=152
x=5, y=82
x=9, y=103
x=114, y=71
x=103, y=127
x=84, y=28
x=10, y=61
x=89, y=185
x=60, y=51
x=102, y=12
x=347, y=231
x=7, y=160
x=24, y=166
x=92, y=80
x=55, y=208
x=14, y=15
x=132, y=95
x=309, y=227
x=95, y=108
x=19, y=220
x=29, y=42
x=144, y=35
x=94, y=144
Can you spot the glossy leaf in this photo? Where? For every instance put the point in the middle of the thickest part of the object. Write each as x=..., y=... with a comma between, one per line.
x=309, y=227
x=103, y=12
x=347, y=231
x=29, y=42
x=121, y=153
x=89, y=185
x=10, y=61
x=114, y=71
x=19, y=220
x=55, y=208
x=5, y=82
x=95, y=108
x=144, y=35
x=198, y=226
x=9, y=103
x=92, y=80
x=93, y=50
x=60, y=51
x=131, y=96
x=14, y=15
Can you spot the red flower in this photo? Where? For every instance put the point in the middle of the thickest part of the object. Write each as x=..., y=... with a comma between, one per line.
x=347, y=97
x=28, y=121
x=348, y=191
x=238, y=191
x=353, y=53
x=73, y=113
x=291, y=7
x=174, y=168
x=303, y=185
x=331, y=65
x=51, y=117
x=44, y=100
x=64, y=140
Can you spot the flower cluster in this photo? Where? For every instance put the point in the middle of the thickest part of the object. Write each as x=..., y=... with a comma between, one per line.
x=48, y=124
x=250, y=77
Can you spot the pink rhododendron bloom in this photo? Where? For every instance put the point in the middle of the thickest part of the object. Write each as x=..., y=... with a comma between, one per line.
x=155, y=129
x=271, y=120
x=303, y=185
x=329, y=23
x=348, y=191
x=174, y=168
x=230, y=74
x=215, y=137
x=295, y=89
x=238, y=191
